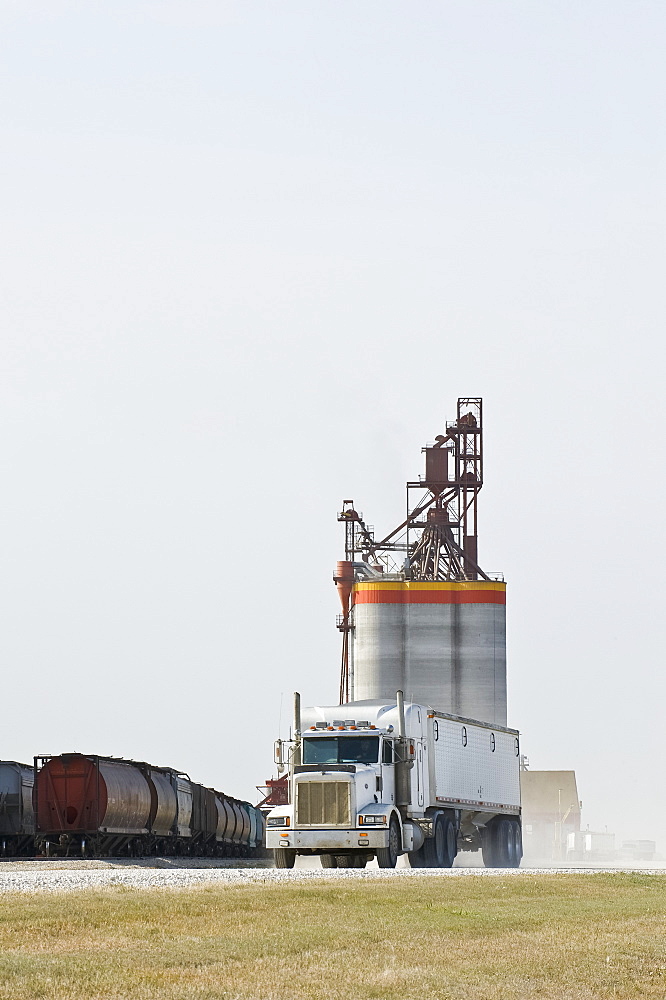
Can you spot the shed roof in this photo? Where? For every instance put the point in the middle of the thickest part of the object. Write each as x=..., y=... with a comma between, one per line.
x=550, y=793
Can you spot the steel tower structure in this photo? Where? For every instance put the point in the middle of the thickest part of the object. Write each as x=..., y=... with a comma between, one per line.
x=431, y=557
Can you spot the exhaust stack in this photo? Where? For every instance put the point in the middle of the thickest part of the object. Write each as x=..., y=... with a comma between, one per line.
x=404, y=763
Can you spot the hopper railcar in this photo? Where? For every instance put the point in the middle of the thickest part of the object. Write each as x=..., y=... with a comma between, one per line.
x=94, y=806
x=17, y=819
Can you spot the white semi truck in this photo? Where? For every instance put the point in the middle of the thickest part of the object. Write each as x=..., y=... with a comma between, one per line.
x=370, y=779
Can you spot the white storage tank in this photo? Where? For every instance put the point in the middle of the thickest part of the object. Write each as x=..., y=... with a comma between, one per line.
x=442, y=643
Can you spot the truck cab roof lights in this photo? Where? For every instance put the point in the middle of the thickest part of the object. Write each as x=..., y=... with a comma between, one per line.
x=346, y=726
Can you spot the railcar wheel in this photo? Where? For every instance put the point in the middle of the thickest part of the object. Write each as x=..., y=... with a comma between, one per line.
x=284, y=857
x=328, y=861
x=387, y=857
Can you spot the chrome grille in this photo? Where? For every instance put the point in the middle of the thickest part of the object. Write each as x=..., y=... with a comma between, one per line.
x=323, y=803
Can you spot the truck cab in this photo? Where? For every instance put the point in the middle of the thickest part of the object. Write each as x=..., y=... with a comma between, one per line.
x=347, y=780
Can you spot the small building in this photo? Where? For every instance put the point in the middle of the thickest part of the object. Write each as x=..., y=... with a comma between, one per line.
x=551, y=812
x=590, y=848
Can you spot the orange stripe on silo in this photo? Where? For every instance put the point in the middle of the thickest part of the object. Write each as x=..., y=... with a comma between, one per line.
x=429, y=593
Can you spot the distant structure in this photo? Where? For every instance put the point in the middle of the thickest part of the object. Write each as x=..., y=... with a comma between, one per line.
x=551, y=815
x=639, y=850
x=590, y=847
x=552, y=833
x=418, y=612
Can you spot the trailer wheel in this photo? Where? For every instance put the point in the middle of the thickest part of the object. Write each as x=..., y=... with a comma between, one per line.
x=505, y=843
x=515, y=843
x=497, y=844
x=284, y=857
x=519, y=840
x=489, y=846
x=387, y=857
x=498, y=837
x=328, y=861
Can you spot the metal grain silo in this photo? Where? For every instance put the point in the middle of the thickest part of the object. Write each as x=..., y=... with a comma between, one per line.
x=481, y=657
x=442, y=643
x=422, y=615
x=378, y=640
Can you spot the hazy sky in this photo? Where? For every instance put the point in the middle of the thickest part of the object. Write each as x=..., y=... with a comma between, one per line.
x=251, y=254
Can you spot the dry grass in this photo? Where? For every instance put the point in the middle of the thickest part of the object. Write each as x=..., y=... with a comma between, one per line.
x=554, y=936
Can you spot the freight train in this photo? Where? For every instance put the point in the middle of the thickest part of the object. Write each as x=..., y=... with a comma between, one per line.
x=92, y=806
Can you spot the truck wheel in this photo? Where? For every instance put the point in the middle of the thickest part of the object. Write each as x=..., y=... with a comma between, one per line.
x=440, y=849
x=344, y=861
x=387, y=857
x=360, y=861
x=503, y=840
x=284, y=857
x=496, y=843
x=450, y=843
x=328, y=861
x=432, y=847
x=417, y=859
x=519, y=841
x=489, y=845
x=515, y=843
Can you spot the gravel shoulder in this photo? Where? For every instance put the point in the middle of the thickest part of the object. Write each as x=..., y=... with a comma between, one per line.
x=162, y=874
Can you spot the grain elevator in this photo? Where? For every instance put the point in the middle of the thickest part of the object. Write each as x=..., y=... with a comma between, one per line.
x=418, y=612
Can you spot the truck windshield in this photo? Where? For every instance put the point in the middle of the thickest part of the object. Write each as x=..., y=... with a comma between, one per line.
x=341, y=750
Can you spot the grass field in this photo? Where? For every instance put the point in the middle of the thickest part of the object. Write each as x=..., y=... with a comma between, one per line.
x=559, y=936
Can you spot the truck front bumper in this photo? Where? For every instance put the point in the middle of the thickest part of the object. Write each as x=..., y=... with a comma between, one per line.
x=328, y=840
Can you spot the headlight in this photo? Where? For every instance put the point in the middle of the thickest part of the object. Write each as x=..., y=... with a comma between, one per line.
x=372, y=820
x=278, y=821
